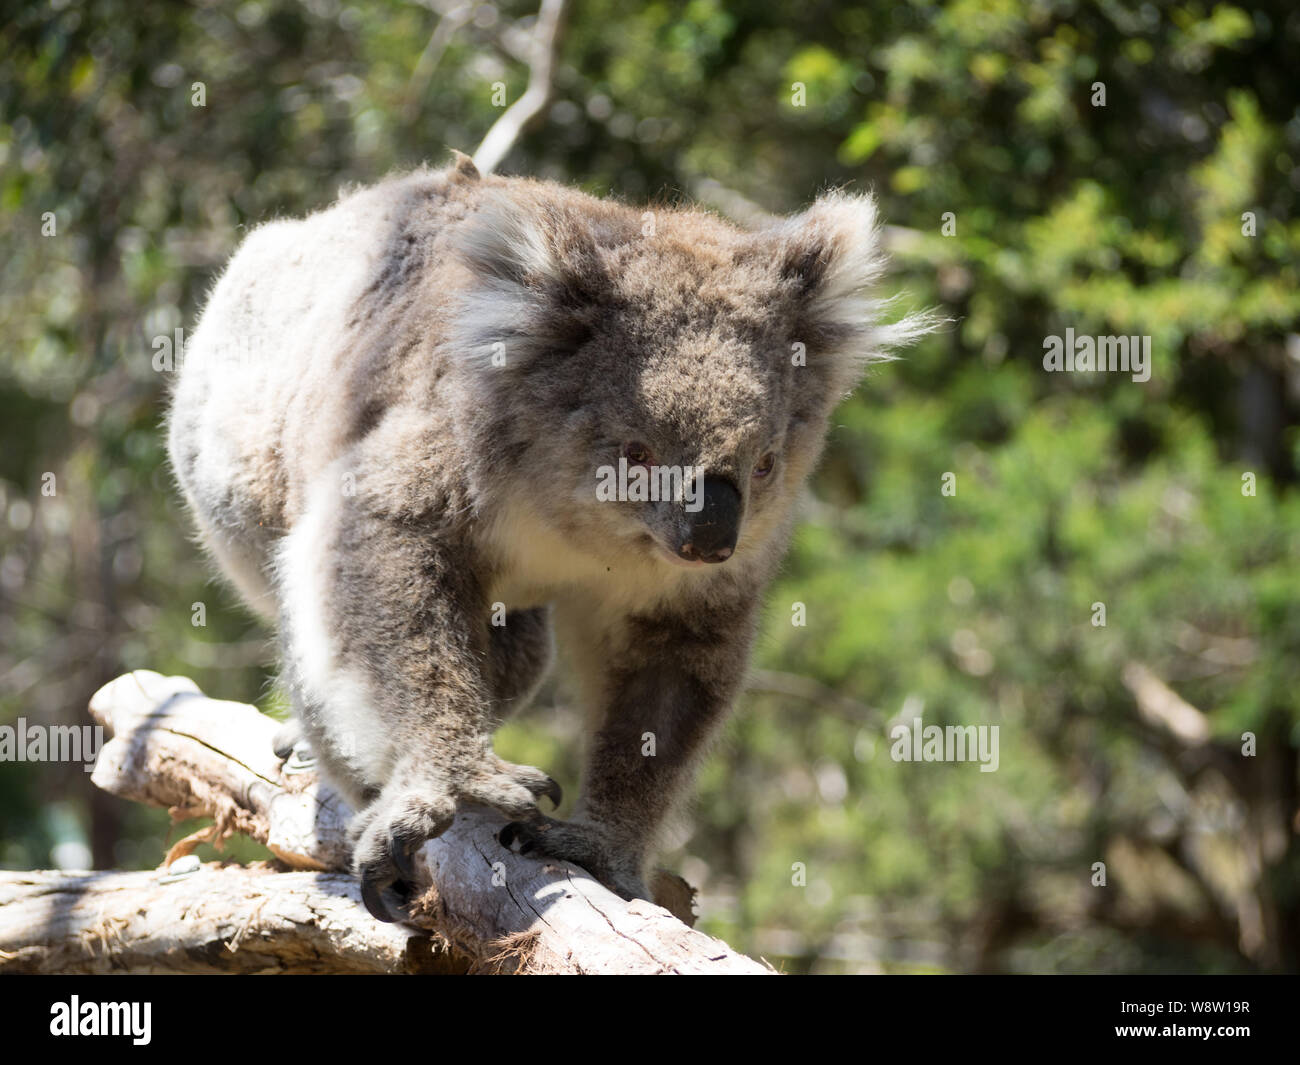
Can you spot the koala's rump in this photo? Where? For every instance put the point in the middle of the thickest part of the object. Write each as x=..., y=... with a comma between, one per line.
x=317, y=330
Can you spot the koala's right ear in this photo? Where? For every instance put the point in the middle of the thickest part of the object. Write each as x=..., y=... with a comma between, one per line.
x=538, y=279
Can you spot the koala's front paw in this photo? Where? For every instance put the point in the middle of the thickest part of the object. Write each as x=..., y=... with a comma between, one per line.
x=386, y=834
x=511, y=789
x=389, y=831
x=615, y=864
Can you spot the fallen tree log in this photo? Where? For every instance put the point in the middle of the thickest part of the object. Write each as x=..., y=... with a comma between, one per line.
x=478, y=907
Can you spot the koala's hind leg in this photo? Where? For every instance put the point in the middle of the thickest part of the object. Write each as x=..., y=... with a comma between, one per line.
x=520, y=653
x=662, y=686
x=387, y=650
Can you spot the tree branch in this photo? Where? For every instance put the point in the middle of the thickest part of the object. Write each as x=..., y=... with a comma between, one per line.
x=488, y=909
x=1163, y=707
x=519, y=115
x=217, y=919
x=448, y=23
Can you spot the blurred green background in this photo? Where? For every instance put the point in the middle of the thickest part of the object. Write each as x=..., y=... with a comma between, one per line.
x=973, y=608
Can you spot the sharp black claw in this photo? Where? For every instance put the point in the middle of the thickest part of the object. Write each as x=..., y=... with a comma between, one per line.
x=402, y=859
x=517, y=830
x=284, y=739
x=374, y=902
x=553, y=793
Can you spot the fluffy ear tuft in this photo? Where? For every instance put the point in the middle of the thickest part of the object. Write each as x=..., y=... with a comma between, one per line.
x=504, y=242
x=832, y=250
x=537, y=278
x=832, y=256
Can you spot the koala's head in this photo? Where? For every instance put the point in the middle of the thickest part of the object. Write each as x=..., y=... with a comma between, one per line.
x=679, y=364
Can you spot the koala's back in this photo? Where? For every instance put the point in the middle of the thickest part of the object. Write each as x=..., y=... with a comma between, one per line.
x=315, y=329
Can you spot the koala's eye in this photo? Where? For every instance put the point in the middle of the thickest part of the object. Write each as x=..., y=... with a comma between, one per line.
x=765, y=464
x=637, y=453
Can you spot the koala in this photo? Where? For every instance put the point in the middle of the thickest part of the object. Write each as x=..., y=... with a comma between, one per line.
x=390, y=424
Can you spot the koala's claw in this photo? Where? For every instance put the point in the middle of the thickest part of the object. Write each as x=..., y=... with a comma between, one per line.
x=517, y=830
x=374, y=881
x=374, y=901
x=552, y=791
x=286, y=737
x=388, y=833
x=401, y=819
x=513, y=790
x=401, y=854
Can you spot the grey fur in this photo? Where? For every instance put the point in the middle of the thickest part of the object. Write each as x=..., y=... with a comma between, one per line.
x=366, y=473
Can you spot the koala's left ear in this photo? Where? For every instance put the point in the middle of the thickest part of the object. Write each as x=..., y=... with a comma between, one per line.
x=831, y=257
x=538, y=274
x=527, y=244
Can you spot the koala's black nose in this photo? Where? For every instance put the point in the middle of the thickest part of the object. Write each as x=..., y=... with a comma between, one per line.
x=715, y=527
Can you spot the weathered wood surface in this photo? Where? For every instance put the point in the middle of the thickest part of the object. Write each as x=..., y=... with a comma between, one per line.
x=217, y=919
x=480, y=907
